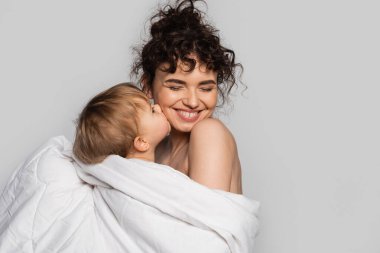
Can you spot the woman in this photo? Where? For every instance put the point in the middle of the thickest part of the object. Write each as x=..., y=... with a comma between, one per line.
x=184, y=68
x=56, y=203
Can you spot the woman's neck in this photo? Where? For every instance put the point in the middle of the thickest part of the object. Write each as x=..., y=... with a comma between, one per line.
x=177, y=140
x=171, y=146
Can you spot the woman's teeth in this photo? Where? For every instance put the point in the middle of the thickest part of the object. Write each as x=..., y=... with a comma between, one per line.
x=188, y=115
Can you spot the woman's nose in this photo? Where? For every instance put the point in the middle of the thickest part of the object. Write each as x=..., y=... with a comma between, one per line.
x=191, y=100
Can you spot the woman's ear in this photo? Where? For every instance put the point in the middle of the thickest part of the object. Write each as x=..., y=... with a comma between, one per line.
x=140, y=144
x=146, y=88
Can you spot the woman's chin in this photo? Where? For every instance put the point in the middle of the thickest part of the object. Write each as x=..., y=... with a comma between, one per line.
x=183, y=127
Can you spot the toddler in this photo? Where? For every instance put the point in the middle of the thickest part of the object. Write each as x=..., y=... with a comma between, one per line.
x=119, y=121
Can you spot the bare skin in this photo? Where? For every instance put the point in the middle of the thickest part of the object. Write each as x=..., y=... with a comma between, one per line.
x=208, y=156
x=213, y=151
x=198, y=146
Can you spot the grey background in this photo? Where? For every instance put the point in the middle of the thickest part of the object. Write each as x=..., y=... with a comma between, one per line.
x=307, y=128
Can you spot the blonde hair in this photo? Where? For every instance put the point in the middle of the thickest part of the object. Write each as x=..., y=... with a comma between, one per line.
x=108, y=123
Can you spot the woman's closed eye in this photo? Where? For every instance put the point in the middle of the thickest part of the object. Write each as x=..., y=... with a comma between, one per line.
x=174, y=88
x=174, y=84
x=207, y=89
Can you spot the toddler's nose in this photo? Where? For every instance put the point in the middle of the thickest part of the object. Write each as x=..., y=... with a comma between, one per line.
x=157, y=108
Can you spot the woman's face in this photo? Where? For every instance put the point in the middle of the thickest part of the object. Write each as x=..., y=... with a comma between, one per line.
x=185, y=97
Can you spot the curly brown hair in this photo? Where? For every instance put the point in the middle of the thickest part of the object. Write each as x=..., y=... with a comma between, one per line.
x=178, y=31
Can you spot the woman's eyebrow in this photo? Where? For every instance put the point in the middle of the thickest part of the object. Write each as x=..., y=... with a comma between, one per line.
x=175, y=81
x=207, y=82
x=178, y=81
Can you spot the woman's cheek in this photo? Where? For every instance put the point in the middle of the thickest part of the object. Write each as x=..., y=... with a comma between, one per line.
x=168, y=98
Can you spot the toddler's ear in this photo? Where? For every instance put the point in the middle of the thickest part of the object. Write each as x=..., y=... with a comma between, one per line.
x=141, y=144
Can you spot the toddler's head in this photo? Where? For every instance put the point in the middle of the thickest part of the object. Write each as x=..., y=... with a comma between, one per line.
x=119, y=121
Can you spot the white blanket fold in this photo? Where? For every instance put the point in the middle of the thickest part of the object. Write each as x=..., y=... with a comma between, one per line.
x=56, y=204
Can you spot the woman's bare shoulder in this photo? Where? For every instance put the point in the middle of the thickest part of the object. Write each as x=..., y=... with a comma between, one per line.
x=212, y=128
x=212, y=154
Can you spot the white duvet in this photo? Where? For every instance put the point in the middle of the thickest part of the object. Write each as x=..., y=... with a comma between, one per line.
x=55, y=204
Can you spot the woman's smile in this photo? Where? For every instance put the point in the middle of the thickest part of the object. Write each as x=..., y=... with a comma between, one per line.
x=189, y=116
x=186, y=97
